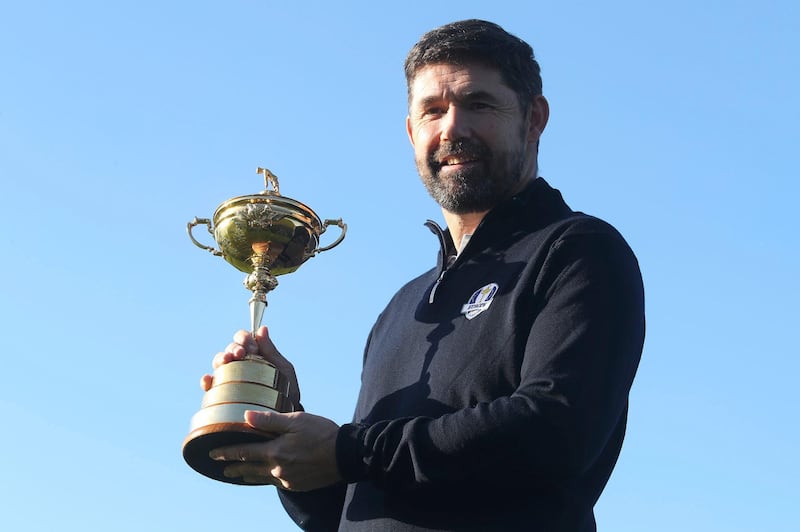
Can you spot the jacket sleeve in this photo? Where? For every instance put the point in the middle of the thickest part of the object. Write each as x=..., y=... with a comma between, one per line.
x=318, y=510
x=581, y=355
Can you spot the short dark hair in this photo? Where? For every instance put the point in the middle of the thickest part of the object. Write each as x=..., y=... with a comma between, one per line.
x=478, y=41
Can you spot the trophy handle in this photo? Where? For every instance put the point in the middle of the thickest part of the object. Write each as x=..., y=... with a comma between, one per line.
x=207, y=223
x=341, y=225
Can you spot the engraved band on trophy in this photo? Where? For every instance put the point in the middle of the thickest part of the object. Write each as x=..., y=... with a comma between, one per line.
x=263, y=235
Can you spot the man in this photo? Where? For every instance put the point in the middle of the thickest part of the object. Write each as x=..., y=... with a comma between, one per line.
x=494, y=386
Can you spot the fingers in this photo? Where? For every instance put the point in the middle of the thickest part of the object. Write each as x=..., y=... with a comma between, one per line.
x=242, y=344
x=206, y=382
x=271, y=422
x=246, y=452
x=252, y=463
x=223, y=357
x=255, y=474
x=245, y=340
x=262, y=480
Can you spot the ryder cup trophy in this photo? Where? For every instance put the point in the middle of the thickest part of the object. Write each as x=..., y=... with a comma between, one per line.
x=264, y=235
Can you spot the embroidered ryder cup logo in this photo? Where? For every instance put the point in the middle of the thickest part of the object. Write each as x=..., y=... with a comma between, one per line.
x=479, y=301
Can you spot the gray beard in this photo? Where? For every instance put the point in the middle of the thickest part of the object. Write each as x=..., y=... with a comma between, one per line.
x=476, y=189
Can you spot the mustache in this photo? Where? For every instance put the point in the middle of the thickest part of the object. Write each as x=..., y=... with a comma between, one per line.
x=467, y=148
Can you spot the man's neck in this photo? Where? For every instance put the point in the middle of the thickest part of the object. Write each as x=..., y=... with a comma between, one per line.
x=462, y=224
x=466, y=224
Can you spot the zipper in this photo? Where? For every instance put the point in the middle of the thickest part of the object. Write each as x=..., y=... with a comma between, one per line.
x=435, y=286
x=445, y=254
x=445, y=268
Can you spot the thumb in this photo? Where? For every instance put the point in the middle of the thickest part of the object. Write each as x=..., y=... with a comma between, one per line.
x=268, y=350
x=272, y=422
x=265, y=346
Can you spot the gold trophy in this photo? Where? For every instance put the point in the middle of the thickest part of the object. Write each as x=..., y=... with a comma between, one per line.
x=263, y=235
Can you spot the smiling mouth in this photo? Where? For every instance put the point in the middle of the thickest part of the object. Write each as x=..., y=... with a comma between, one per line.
x=462, y=153
x=455, y=161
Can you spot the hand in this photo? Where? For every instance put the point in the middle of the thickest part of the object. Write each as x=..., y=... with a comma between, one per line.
x=243, y=344
x=302, y=457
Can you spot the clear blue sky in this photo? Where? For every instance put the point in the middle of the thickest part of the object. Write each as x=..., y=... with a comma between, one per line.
x=120, y=121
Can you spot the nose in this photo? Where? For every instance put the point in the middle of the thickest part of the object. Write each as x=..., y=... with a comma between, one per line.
x=454, y=124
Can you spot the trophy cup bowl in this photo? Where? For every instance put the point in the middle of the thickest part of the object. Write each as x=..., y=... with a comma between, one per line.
x=263, y=235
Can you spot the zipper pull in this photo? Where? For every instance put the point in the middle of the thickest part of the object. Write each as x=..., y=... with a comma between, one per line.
x=435, y=286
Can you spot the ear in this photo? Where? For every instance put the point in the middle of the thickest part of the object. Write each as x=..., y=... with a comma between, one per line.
x=409, y=131
x=537, y=116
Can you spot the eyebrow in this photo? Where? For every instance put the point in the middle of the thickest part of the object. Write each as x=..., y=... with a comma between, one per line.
x=466, y=96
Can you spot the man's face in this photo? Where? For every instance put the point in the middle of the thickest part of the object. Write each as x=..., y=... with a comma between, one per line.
x=473, y=146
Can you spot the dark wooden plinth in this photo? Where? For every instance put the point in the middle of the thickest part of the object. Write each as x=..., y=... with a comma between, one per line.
x=203, y=440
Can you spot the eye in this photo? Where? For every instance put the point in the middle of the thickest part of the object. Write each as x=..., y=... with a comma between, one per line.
x=434, y=110
x=479, y=106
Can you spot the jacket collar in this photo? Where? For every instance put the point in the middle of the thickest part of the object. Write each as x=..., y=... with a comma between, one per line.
x=534, y=206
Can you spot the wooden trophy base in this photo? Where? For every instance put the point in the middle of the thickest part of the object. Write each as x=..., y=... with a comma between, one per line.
x=203, y=440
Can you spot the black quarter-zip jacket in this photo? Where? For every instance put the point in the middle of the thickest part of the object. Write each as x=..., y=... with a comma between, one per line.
x=495, y=386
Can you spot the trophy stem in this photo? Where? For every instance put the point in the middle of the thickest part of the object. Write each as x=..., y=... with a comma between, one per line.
x=258, y=303
x=260, y=281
